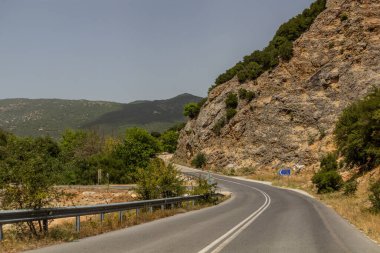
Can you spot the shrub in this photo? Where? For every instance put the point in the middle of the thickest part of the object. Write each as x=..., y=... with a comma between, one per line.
x=343, y=17
x=329, y=162
x=242, y=93
x=230, y=114
x=232, y=101
x=327, y=181
x=250, y=95
x=350, y=187
x=159, y=181
x=218, y=126
x=191, y=110
x=205, y=188
x=169, y=141
x=199, y=160
x=375, y=196
x=247, y=95
x=357, y=132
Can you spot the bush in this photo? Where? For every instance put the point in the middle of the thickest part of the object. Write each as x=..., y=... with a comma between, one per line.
x=218, y=126
x=231, y=101
x=375, y=196
x=329, y=162
x=230, y=114
x=191, y=110
x=199, y=160
x=204, y=188
x=247, y=95
x=350, y=187
x=357, y=132
x=343, y=17
x=159, y=181
x=169, y=141
x=242, y=93
x=327, y=181
x=250, y=95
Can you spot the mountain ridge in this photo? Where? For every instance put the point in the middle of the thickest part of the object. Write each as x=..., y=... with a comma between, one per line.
x=45, y=116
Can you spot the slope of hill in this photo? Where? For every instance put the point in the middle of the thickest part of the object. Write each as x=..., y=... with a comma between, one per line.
x=155, y=115
x=297, y=103
x=36, y=117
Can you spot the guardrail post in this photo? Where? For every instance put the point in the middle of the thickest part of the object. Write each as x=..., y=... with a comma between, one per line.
x=101, y=217
x=192, y=203
x=151, y=209
x=77, y=224
x=162, y=207
x=172, y=206
x=121, y=216
x=45, y=226
x=1, y=232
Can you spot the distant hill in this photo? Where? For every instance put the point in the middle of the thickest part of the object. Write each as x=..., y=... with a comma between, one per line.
x=36, y=117
x=155, y=115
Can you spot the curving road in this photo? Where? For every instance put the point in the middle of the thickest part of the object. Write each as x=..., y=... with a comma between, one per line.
x=258, y=218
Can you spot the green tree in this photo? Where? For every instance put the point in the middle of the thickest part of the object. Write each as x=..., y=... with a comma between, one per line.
x=159, y=181
x=169, y=141
x=191, y=110
x=357, y=132
x=138, y=148
x=28, y=171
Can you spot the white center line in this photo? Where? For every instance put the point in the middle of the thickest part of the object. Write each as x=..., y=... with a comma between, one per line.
x=225, y=239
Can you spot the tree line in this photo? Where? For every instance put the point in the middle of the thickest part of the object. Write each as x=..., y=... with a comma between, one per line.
x=279, y=48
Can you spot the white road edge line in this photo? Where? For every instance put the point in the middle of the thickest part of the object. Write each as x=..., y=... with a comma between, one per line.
x=235, y=231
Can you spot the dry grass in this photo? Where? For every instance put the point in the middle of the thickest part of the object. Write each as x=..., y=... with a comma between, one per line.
x=355, y=209
x=90, y=225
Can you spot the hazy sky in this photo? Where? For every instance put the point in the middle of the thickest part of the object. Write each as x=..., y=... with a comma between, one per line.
x=125, y=50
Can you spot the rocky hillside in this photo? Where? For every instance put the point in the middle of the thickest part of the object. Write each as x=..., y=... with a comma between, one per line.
x=36, y=117
x=292, y=117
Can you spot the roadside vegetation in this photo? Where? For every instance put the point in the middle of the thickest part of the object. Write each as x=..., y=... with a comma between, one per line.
x=30, y=168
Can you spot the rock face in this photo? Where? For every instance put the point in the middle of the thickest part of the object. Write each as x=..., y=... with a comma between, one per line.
x=293, y=116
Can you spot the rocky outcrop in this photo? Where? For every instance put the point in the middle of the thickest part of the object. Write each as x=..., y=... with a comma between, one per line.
x=292, y=118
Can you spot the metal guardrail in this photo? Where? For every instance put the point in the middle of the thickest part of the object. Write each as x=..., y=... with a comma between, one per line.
x=45, y=214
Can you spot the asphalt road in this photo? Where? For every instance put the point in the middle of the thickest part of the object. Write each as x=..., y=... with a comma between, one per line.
x=257, y=218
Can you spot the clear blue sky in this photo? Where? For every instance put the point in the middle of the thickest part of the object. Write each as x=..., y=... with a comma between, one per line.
x=125, y=50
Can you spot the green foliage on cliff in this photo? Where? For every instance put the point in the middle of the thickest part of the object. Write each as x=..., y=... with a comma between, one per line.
x=280, y=47
x=357, y=132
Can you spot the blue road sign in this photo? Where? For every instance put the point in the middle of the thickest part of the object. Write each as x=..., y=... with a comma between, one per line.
x=284, y=172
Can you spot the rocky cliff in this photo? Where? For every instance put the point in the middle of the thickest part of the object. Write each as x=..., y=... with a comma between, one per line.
x=292, y=118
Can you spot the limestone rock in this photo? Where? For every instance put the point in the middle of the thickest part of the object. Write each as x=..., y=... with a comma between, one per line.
x=292, y=119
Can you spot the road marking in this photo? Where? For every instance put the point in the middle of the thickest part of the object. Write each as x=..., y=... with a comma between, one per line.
x=225, y=239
